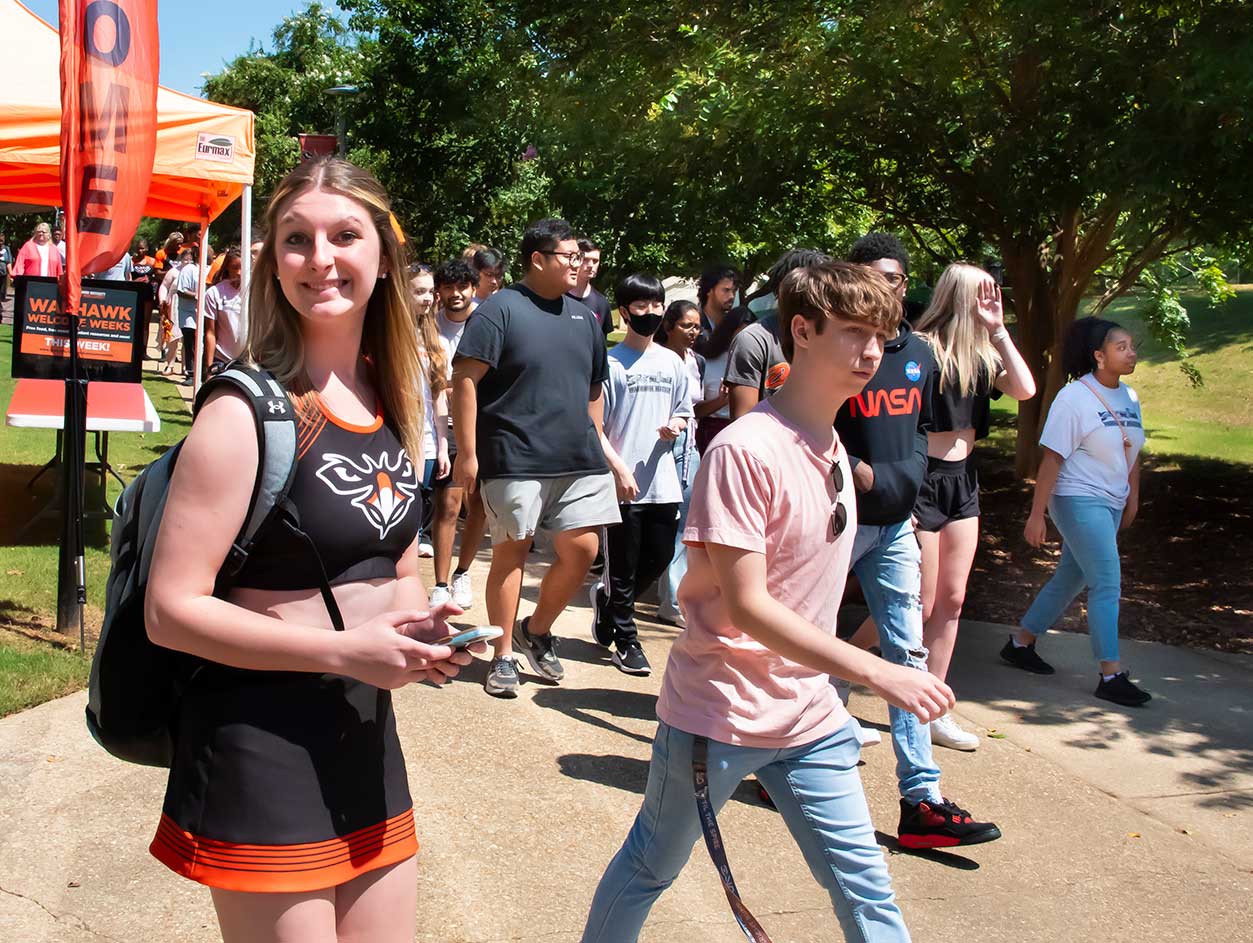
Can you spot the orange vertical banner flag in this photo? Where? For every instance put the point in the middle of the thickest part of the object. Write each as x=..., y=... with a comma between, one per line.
x=109, y=66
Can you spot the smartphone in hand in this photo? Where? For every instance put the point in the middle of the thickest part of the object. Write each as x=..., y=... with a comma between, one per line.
x=482, y=633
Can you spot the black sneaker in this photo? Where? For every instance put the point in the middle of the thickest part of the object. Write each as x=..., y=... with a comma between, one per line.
x=540, y=651
x=1025, y=658
x=630, y=660
x=1122, y=690
x=599, y=633
x=941, y=825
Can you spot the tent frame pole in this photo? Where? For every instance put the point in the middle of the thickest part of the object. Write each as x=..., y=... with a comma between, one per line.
x=245, y=258
x=200, y=288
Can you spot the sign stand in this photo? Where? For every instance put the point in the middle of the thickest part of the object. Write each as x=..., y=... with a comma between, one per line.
x=71, y=572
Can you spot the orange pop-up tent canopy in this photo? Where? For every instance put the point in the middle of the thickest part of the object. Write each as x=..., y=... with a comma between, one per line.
x=205, y=151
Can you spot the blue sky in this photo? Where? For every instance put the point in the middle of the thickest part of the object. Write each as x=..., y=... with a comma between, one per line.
x=200, y=37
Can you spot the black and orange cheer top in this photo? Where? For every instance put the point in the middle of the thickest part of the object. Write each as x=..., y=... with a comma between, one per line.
x=356, y=491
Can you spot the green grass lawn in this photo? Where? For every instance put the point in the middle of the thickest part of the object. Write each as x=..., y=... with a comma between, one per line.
x=1211, y=421
x=31, y=671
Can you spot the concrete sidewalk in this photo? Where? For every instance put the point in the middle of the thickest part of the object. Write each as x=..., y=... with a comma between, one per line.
x=1118, y=823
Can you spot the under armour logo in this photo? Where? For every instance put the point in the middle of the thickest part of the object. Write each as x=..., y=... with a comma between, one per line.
x=277, y=406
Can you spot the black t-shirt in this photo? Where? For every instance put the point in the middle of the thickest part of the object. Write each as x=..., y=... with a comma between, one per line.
x=544, y=357
x=952, y=411
x=600, y=307
x=886, y=425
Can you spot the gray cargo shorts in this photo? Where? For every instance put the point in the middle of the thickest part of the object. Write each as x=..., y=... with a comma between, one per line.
x=518, y=507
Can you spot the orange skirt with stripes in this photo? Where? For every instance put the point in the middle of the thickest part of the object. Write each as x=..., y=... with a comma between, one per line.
x=284, y=782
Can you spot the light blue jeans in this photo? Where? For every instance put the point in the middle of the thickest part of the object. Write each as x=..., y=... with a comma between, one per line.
x=687, y=461
x=1089, y=528
x=888, y=563
x=817, y=789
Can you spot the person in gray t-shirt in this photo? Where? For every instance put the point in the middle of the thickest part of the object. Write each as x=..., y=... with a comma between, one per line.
x=648, y=403
x=756, y=367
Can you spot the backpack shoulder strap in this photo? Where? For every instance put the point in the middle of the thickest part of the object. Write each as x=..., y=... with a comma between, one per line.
x=276, y=448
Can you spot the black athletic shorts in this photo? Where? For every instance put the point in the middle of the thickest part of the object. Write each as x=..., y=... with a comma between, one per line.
x=950, y=492
x=284, y=781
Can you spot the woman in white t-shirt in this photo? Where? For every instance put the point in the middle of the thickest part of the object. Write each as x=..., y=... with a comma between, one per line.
x=1089, y=479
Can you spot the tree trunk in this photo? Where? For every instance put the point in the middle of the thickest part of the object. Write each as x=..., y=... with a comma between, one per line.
x=1045, y=312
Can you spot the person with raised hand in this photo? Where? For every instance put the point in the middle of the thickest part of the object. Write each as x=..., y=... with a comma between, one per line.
x=287, y=794
x=976, y=361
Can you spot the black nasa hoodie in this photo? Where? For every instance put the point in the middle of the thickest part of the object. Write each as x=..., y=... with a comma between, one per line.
x=886, y=425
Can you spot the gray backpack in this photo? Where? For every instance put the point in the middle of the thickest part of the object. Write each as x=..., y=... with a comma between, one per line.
x=135, y=684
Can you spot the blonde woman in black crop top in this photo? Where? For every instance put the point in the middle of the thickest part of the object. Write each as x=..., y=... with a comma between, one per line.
x=287, y=792
x=976, y=361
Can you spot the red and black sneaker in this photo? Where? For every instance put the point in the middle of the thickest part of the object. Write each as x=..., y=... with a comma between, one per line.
x=941, y=825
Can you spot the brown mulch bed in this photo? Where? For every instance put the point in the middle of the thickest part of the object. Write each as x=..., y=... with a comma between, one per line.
x=1187, y=570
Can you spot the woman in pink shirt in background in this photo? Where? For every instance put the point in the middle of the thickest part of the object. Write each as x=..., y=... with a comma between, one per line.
x=39, y=256
x=770, y=533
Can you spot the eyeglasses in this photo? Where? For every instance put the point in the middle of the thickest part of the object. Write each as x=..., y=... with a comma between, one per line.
x=570, y=258
x=895, y=278
x=839, y=513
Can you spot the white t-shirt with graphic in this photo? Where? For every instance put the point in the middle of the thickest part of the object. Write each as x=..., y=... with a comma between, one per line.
x=643, y=392
x=1081, y=430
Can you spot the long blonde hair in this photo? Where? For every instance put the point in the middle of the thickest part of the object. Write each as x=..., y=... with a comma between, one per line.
x=432, y=345
x=950, y=324
x=388, y=340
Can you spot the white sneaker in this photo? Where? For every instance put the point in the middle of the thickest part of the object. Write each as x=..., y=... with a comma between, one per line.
x=946, y=733
x=462, y=590
x=425, y=549
x=440, y=595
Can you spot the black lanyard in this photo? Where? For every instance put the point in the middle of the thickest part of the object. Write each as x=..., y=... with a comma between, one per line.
x=713, y=841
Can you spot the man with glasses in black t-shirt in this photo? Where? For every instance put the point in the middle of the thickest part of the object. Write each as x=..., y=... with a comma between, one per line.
x=527, y=388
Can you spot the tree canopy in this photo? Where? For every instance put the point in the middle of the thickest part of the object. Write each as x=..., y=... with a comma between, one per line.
x=1089, y=146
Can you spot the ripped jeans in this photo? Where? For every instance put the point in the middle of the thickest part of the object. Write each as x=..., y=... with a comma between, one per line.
x=887, y=562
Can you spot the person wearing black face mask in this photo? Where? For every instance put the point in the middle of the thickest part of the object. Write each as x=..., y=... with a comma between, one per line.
x=648, y=404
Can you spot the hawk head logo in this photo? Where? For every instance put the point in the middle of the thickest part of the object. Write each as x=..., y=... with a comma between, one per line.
x=382, y=488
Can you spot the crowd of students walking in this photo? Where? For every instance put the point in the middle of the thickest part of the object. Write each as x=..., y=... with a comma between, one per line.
x=742, y=458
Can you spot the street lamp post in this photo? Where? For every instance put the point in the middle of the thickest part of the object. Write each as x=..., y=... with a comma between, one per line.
x=340, y=92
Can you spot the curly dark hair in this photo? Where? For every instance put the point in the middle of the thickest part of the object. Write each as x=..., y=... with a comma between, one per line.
x=456, y=272
x=879, y=245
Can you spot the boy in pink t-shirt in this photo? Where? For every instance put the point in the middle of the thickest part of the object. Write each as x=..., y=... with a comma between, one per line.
x=770, y=534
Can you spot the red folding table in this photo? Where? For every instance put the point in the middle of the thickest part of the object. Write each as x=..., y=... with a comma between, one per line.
x=111, y=407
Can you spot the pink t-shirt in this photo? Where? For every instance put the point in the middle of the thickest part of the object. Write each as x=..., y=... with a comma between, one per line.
x=763, y=486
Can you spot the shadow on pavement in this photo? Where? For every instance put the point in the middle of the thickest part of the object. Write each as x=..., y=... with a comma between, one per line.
x=1193, y=737
x=590, y=704
x=946, y=858
x=631, y=775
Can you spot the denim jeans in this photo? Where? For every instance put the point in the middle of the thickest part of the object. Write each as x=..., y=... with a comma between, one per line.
x=817, y=789
x=887, y=562
x=1089, y=528
x=687, y=461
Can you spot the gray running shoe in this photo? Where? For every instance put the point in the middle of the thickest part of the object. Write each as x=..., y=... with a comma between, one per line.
x=540, y=651
x=502, y=677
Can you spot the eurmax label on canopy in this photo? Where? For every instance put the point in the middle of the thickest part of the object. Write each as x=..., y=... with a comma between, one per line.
x=219, y=147
x=106, y=329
